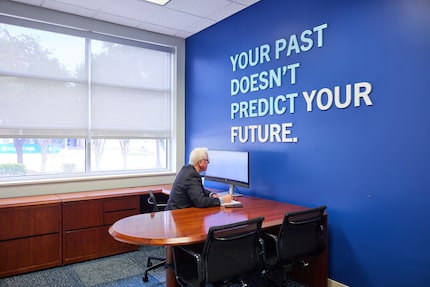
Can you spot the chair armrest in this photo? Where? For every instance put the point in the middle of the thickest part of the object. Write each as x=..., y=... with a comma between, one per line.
x=190, y=252
x=270, y=240
x=187, y=264
x=270, y=249
x=270, y=236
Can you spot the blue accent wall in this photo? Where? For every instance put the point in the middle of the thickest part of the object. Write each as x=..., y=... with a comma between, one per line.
x=369, y=162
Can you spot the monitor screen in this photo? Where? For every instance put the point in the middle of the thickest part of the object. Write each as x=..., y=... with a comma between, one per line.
x=230, y=167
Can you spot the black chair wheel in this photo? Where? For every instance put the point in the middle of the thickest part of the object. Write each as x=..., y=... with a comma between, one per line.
x=145, y=278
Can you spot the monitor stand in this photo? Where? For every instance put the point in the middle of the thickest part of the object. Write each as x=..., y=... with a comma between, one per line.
x=232, y=192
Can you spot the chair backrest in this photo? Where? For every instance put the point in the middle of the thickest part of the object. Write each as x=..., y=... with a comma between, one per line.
x=302, y=233
x=152, y=200
x=232, y=250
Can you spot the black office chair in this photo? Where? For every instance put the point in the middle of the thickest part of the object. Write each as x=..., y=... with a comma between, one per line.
x=302, y=234
x=229, y=253
x=162, y=261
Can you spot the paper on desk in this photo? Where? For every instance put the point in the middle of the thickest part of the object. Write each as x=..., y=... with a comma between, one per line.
x=232, y=203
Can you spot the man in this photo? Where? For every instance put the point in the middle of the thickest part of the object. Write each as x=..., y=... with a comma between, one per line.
x=188, y=190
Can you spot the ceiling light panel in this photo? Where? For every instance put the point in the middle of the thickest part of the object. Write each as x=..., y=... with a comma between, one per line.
x=159, y=2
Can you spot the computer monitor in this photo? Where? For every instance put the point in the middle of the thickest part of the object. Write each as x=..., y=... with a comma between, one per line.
x=229, y=167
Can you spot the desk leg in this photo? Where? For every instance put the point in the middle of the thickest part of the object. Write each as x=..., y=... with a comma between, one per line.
x=170, y=272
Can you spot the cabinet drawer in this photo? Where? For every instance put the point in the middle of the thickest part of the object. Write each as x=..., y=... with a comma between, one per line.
x=82, y=214
x=92, y=243
x=29, y=254
x=121, y=203
x=111, y=217
x=17, y=222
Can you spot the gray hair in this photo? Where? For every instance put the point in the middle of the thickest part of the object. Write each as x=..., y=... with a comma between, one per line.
x=197, y=154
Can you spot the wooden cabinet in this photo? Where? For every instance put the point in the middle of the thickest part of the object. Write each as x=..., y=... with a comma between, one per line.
x=86, y=224
x=38, y=232
x=30, y=237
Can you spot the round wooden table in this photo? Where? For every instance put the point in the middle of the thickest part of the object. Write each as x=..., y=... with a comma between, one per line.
x=191, y=225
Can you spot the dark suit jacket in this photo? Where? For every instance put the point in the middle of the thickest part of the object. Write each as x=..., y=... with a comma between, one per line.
x=188, y=191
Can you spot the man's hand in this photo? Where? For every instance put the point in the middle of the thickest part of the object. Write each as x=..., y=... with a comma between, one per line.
x=228, y=198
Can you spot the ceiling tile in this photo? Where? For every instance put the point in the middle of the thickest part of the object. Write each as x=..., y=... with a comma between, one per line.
x=77, y=10
x=117, y=19
x=92, y=5
x=229, y=10
x=200, y=25
x=158, y=29
x=173, y=19
x=180, y=18
x=200, y=8
x=132, y=9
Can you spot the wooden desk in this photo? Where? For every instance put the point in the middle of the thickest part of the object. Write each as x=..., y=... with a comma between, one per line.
x=191, y=225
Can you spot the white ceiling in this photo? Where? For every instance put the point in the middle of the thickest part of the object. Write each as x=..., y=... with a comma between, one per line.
x=180, y=18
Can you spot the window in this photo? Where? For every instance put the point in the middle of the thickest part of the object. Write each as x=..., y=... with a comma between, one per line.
x=79, y=105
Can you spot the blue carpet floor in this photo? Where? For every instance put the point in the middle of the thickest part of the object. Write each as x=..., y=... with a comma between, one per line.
x=122, y=270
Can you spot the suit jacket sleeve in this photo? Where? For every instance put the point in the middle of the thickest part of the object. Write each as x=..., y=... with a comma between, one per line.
x=199, y=195
x=188, y=191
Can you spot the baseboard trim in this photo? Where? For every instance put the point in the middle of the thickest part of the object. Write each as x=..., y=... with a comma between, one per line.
x=332, y=283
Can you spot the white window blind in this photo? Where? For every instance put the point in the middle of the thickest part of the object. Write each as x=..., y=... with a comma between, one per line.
x=131, y=91
x=39, y=94
x=53, y=84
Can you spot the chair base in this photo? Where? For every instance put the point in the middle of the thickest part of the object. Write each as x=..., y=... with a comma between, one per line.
x=281, y=277
x=150, y=266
